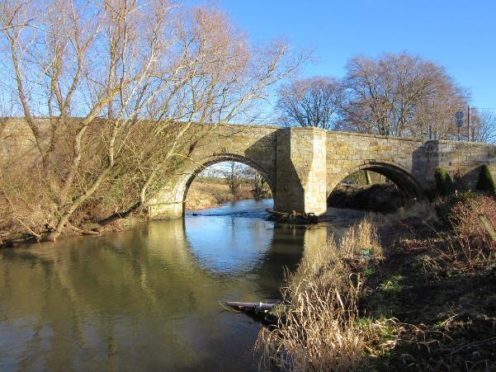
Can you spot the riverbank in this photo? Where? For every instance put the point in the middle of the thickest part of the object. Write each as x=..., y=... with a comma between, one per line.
x=211, y=194
x=15, y=239
x=415, y=290
x=201, y=195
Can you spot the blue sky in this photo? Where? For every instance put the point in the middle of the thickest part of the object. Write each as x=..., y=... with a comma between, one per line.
x=460, y=35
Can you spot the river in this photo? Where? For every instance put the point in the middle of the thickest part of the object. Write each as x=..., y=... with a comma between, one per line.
x=148, y=298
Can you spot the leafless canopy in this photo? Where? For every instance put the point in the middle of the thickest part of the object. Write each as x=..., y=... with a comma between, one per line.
x=399, y=95
x=114, y=65
x=483, y=127
x=310, y=102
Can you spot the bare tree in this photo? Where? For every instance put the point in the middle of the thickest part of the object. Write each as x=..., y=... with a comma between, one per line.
x=483, y=126
x=234, y=176
x=120, y=83
x=309, y=103
x=399, y=95
x=260, y=188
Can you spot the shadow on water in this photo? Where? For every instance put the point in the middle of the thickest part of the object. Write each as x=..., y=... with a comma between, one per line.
x=145, y=299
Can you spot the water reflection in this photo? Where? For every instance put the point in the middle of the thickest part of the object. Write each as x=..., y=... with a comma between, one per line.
x=233, y=245
x=144, y=299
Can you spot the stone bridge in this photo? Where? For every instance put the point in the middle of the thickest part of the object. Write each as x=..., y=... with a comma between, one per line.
x=304, y=165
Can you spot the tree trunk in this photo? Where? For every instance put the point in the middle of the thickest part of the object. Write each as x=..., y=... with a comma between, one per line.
x=118, y=215
x=368, y=181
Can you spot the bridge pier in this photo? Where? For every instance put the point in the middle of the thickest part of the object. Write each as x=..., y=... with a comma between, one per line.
x=301, y=171
x=168, y=210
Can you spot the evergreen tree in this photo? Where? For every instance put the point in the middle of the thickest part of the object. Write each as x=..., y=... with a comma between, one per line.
x=444, y=183
x=486, y=182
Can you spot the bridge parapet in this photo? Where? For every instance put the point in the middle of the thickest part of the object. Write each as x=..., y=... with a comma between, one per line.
x=461, y=159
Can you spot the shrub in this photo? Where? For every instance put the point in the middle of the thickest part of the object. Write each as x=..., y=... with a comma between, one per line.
x=474, y=222
x=470, y=242
x=486, y=182
x=444, y=183
x=444, y=207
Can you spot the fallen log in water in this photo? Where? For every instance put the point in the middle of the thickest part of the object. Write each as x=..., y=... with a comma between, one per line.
x=251, y=306
x=260, y=311
x=293, y=217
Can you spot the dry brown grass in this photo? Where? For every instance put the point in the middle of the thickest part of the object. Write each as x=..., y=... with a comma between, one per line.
x=361, y=239
x=317, y=328
x=212, y=194
x=470, y=243
x=351, y=306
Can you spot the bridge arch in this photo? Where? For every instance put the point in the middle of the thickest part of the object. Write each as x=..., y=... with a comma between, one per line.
x=219, y=158
x=401, y=177
x=205, y=163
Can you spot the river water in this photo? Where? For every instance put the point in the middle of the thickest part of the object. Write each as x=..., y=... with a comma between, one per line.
x=147, y=299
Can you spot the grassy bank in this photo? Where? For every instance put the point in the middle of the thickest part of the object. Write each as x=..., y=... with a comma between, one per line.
x=414, y=291
x=212, y=193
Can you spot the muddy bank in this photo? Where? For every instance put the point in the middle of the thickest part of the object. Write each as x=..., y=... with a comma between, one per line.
x=89, y=229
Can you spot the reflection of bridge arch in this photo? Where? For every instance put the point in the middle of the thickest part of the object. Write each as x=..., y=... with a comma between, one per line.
x=396, y=173
x=228, y=245
x=185, y=183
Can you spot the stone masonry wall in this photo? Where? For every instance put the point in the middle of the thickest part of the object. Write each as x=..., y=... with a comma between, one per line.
x=347, y=152
x=461, y=159
x=252, y=145
x=302, y=165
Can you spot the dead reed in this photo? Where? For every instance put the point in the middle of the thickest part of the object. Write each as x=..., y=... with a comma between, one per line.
x=318, y=329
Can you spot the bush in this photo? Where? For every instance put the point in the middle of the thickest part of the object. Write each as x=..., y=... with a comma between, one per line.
x=474, y=223
x=470, y=240
x=444, y=183
x=444, y=207
x=486, y=182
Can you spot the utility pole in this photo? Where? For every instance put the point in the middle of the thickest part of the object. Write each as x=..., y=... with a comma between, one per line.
x=459, y=121
x=468, y=121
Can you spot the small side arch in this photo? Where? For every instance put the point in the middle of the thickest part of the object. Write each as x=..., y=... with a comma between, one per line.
x=397, y=174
